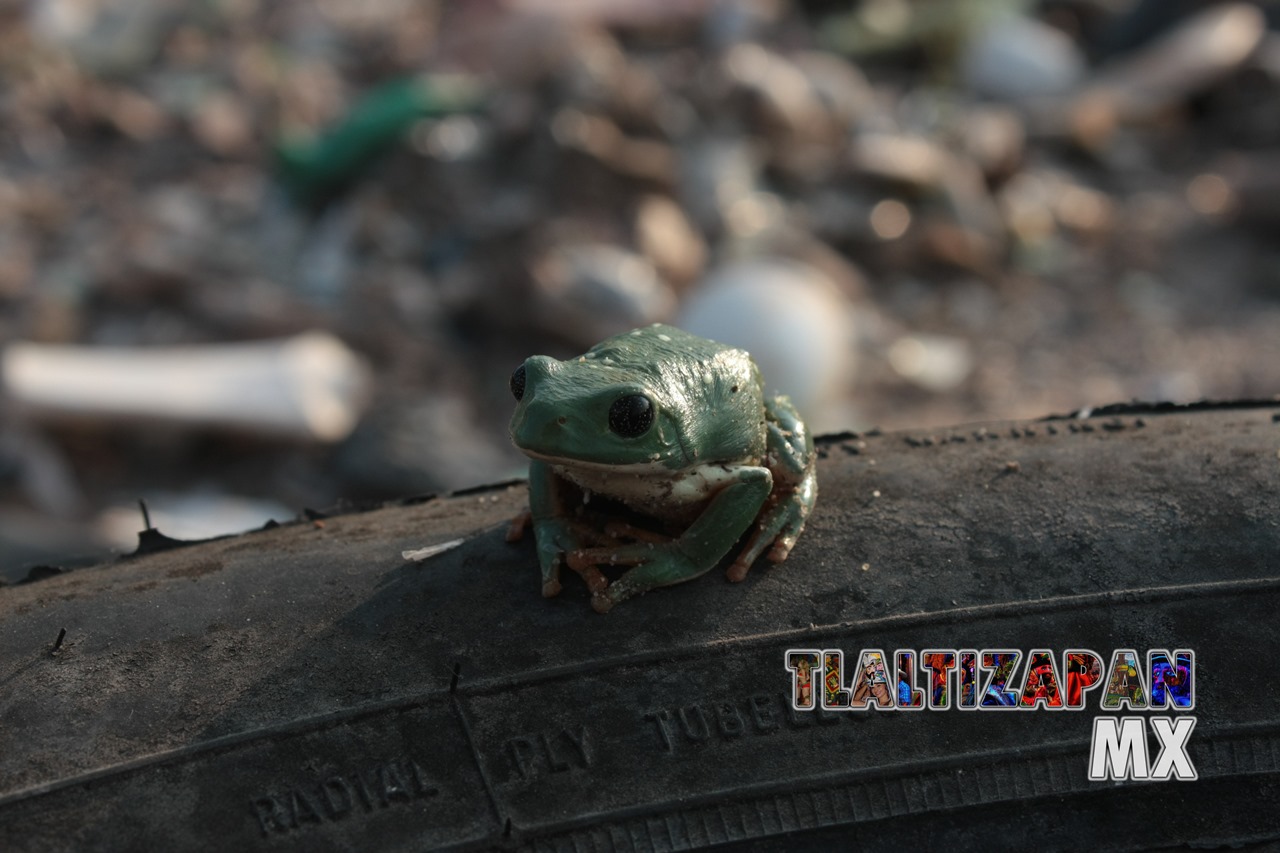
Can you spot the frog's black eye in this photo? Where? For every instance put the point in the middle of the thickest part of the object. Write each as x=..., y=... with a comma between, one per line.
x=631, y=416
x=517, y=382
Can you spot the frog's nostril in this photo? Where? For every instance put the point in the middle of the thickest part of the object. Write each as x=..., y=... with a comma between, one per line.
x=562, y=420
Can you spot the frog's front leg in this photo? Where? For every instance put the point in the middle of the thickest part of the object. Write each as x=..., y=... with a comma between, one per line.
x=553, y=528
x=791, y=457
x=695, y=552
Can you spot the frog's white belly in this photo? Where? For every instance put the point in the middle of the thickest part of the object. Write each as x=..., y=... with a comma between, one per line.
x=653, y=489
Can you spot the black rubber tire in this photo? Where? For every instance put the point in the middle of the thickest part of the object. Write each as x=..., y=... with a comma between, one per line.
x=308, y=688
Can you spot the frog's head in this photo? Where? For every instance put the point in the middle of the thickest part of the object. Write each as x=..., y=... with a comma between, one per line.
x=654, y=397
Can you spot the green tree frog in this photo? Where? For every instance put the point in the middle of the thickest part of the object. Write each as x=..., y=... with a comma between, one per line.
x=675, y=428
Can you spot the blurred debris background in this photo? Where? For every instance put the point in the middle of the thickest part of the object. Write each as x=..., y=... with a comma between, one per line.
x=257, y=257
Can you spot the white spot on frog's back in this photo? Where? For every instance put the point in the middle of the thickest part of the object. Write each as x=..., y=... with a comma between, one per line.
x=666, y=338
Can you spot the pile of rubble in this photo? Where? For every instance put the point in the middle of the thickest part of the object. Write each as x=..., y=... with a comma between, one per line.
x=912, y=212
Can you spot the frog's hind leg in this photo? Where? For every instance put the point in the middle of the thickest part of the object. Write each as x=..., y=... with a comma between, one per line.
x=623, y=530
x=788, y=440
x=779, y=528
x=519, y=524
x=696, y=551
x=586, y=562
x=604, y=548
x=765, y=534
x=800, y=503
x=791, y=449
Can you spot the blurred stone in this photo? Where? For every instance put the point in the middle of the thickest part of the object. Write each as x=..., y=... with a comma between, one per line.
x=223, y=124
x=593, y=68
x=878, y=27
x=840, y=86
x=912, y=161
x=994, y=138
x=670, y=242
x=950, y=243
x=108, y=37
x=732, y=21
x=449, y=139
x=589, y=292
x=805, y=105
x=1211, y=196
x=180, y=209
x=792, y=319
x=601, y=138
x=718, y=175
x=783, y=97
x=1026, y=202
x=889, y=219
x=1084, y=210
x=1017, y=58
x=926, y=167
x=627, y=13
x=136, y=115
x=1193, y=57
x=936, y=363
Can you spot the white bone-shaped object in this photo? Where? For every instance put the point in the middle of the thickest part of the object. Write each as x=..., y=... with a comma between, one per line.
x=310, y=386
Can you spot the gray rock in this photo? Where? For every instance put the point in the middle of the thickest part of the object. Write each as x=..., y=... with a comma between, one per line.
x=587, y=292
x=1018, y=58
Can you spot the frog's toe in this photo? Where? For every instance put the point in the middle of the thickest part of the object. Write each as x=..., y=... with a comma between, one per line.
x=583, y=561
x=781, y=549
x=601, y=602
x=519, y=524
x=738, y=571
x=578, y=560
x=551, y=577
x=596, y=581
